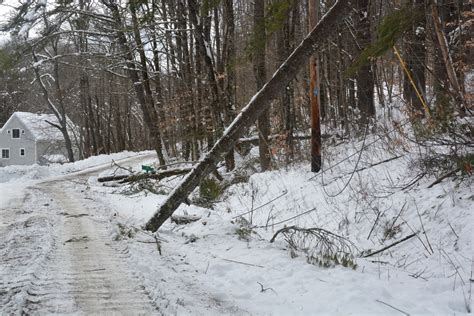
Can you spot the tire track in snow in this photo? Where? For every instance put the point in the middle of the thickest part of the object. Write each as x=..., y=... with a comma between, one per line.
x=26, y=239
x=85, y=273
x=41, y=273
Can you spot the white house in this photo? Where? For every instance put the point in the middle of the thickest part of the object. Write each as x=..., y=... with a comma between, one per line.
x=28, y=138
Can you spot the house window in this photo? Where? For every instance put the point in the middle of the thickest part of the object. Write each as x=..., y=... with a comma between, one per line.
x=22, y=151
x=16, y=133
x=5, y=153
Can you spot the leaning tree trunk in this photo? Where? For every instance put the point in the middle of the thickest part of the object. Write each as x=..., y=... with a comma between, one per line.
x=257, y=105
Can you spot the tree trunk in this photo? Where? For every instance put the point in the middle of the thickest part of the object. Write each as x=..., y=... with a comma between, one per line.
x=364, y=76
x=149, y=112
x=284, y=49
x=255, y=108
x=447, y=61
x=260, y=78
x=415, y=53
x=314, y=92
x=229, y=58
x=58, y=112
x=203, y=44
x=142, y=88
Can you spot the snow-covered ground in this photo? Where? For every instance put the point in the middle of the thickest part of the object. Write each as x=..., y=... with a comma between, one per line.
x=224, y=262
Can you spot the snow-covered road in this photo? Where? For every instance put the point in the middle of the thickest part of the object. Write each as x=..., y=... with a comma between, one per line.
x=58, y=256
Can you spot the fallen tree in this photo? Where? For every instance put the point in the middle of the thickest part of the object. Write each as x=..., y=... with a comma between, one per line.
x=249, y=114
x=141, y=176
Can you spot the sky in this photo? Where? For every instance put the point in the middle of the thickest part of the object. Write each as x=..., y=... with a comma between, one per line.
x=5, y=9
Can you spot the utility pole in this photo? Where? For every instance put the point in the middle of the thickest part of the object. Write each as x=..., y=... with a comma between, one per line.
x=313, y=6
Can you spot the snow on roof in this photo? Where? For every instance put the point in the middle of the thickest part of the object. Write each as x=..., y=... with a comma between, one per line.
x=38, y=125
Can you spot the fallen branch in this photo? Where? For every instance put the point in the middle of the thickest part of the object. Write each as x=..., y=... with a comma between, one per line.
x=95, y=270
x=158, y=244
x=265, y=204
x=324, y=237
x=378, y=163
x=141, y=176
x=77, y=239
x=306, y=230
x=397, y=309
x=263, y=289
x=288, y=219
x=447, y=175
x=114, y=163
x=389, y=246
x=244, y=263
x=182, y=219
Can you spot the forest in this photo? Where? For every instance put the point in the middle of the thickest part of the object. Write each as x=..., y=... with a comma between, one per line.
x=173, y=75
x=240, y=157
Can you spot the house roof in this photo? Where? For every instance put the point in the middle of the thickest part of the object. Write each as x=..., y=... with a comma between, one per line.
x=38, y=125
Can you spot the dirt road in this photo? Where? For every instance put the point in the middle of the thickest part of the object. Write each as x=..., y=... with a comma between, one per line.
x=57, y=256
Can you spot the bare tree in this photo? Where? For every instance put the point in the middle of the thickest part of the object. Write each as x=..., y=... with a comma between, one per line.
x=260, y=78
x=255, y=108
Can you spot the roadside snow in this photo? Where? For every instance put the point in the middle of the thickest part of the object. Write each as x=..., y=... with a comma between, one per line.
x=213, y=266
x=428, y=274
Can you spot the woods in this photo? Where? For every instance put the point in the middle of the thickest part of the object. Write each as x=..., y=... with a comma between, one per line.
x=189, y=78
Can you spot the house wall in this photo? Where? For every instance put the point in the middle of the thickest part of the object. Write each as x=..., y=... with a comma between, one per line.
x=25, y=141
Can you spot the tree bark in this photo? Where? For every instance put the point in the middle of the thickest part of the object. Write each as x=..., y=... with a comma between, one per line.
x=415, y=53
x=58, y=112
x=314, y=96
x=448, y=63
x=229, y=59
x=142, y=88
x=283, y=51
x=141, y=176
x=257, y=105
x=150, y=114
x=204, y=45
x=260, y=78
x=364, y=77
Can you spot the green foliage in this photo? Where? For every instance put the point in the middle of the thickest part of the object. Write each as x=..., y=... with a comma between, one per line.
x=276, y=15
x=125, y=232
x=465, y=163
x=274, y=20
x=244, y=231
x=7, y=60
x=208, y=5
x=209, y=192
x=390, y=230
x=448, y=141
x=331, y=260
x=210, y=189
x=389, y=31
x=145, y=186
